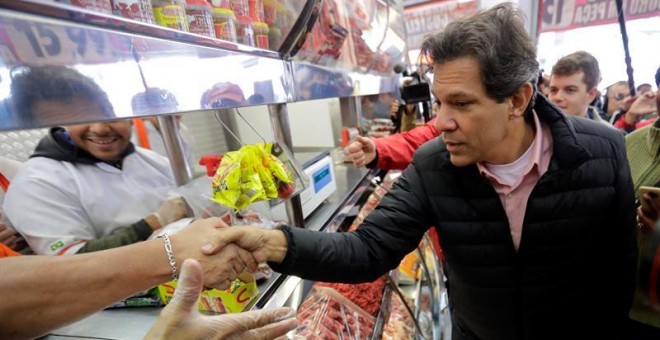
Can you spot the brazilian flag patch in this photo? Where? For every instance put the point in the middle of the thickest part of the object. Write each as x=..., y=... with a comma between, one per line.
x=57, y=245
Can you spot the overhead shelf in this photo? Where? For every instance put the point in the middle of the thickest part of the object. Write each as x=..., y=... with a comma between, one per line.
x=125, y=57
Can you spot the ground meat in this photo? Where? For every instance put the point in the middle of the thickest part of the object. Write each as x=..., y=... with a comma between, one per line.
x=366, y=295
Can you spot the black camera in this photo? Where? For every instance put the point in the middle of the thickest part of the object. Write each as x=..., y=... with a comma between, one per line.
x=418, y=91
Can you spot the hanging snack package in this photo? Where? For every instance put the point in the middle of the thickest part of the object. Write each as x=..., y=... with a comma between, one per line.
x=289, y=177
x=258, y=172
x=279, y=170
x=235, y=183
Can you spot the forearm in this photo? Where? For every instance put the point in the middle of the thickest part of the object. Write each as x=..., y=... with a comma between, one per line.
x=137, y=232
x=396, y=151
x=627, y=123
x=41, y=293
x=377, y=246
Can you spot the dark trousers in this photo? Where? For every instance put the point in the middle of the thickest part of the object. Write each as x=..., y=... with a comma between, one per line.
x=640, y=331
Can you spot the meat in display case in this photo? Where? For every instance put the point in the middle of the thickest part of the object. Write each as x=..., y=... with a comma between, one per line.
x=392, y=307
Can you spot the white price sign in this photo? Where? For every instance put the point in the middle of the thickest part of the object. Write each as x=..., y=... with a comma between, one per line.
x=37, y=42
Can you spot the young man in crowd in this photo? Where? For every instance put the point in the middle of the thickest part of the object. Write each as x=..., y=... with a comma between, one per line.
x=573, y=84
x=534, y=208
x=86, y=187
x=614, y=101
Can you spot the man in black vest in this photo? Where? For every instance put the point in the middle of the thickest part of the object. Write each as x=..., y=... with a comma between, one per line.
x=534, y=209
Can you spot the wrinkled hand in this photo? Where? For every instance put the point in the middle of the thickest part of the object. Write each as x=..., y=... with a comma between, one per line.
x=221, y=267
x=172, y=210
x=180, y=319
x=264, y=245
x=362, y=151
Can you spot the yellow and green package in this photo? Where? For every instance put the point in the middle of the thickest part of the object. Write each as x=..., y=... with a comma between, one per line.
x=267, y=181
x=235, y=184
x=275, y=165
x=251, y=174
x=226, y=182
x=235, y=299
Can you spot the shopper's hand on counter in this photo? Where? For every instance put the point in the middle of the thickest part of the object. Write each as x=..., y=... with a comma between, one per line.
x=220, y=267
x=8, y=236
x=180, y=319
x=265, y=245
x=362, y=151
x=170, y=211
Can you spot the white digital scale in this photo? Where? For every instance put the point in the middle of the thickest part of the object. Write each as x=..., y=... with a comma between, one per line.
x=319, y=169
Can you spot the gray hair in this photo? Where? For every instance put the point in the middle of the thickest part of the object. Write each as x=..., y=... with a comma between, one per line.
x=497, y=39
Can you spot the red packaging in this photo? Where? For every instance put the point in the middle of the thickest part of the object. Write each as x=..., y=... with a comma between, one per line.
x=270, y=11
x=101, y=6
x=260, y=34
x=139, y=10
x=244, y=31
x=200, y=17
x=240, y=7
x=256, y=10
x=224, y=22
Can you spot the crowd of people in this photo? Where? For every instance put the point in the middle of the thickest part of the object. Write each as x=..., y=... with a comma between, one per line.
x=531, y=185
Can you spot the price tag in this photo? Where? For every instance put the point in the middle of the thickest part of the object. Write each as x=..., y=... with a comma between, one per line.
x=38, y=42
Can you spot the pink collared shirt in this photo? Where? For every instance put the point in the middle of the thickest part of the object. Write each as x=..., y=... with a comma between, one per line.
x=514, y=182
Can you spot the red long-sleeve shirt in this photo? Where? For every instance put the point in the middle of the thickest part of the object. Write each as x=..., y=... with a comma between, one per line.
x=621, y=124
x=396, y=152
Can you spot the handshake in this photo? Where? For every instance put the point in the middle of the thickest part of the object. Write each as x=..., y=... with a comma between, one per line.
x=211, y=254
x=225, y=252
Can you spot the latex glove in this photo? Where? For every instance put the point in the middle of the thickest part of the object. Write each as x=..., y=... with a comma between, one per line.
x=172, y=210
x=221, y=267
x=180, y=319
x=362, y=151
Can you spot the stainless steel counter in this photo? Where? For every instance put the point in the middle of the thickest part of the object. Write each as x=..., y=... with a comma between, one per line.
x=121, y=323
